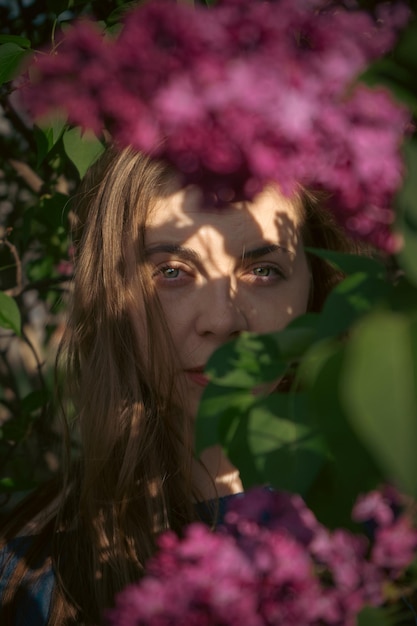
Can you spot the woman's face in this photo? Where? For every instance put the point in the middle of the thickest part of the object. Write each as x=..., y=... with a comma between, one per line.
x=220, y=272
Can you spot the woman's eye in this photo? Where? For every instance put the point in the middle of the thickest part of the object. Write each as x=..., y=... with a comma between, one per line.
x=170, y=275
x=262, y=271
x=265, y=274
x=170, y=272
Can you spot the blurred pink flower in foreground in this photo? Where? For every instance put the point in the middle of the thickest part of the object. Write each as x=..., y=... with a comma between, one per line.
x=242, y=94
x=271, y=564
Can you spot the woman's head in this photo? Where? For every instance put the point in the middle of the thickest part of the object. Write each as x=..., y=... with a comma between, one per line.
x=162, y=280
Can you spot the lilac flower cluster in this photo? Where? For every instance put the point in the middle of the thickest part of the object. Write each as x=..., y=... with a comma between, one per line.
x=242, y=94
x=271, y=563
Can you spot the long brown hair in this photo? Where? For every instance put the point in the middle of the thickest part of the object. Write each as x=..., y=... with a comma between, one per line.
x=132, y=478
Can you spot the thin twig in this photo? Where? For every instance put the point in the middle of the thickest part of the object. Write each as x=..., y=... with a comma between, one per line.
x=15, y=291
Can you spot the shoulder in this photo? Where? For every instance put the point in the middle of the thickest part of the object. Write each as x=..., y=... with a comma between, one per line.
x=27, y=581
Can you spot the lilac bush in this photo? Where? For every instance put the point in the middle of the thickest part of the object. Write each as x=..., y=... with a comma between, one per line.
x=242, y=94
x=271, y=563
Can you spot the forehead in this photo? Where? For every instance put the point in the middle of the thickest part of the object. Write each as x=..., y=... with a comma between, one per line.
x=180, y=217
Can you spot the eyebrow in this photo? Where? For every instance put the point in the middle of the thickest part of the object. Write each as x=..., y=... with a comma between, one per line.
x=171, y=248
x=191, y=255
x=257, y=253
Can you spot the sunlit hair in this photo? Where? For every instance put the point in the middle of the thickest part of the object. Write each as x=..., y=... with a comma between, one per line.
x=132, y=476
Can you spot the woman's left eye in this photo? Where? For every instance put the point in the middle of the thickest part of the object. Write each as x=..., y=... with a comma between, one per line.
x=265, y=273
x=262, y=271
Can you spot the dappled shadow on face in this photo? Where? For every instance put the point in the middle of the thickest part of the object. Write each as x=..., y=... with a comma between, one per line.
x=215, y=273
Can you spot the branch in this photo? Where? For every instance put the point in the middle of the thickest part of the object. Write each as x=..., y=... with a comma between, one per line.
x=46, y=283
x=32, y=180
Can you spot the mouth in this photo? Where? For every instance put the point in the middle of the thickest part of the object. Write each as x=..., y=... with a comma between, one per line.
x=197, y=376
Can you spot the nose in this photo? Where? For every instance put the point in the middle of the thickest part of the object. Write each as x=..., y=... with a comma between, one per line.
x=219, y=313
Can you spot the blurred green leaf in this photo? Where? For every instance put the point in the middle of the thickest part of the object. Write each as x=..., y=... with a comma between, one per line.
x=398, y=70
x=372, y=616
x=407, y=213
x=379, y=393
x=34, y=401
x=351, y=263
x=351, y=469
x=403, y=296
x=9, y=313
x=53, y=211
x=81, y=149
x=16, y=39
x=40, y=269
x=11, y=57
x=406, y=48
x=20, y=478
x=353, y=297
x=7, y=485
x=16, y=428
x=398, y=79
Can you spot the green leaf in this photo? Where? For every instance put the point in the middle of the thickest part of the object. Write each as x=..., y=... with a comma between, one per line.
x=39, y=269
x=52, y=211
x=253, y=359
x=20, y=483
x=7, y=485
x=82, y=149
x=351, y=468
x=34, y=401
x=246, y=362
x=379, y=393
x=406, y=50
x=46, y=137
x=11, y=58
x=403, y=296
x=350, y=263
x=16, y=39
x=219, y=405
x=268, y=437
x=16, y=428
x=286, y=448
x=9, y=313
x=399, y=79
x=351, y=299
x=407, y=213
x=373, y=616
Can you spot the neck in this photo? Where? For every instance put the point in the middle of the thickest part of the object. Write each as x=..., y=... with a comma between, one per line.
x=215, y=476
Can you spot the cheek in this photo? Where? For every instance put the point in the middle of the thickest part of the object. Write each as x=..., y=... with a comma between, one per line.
x=135, y=308
x=277, y=311
x=177, y=311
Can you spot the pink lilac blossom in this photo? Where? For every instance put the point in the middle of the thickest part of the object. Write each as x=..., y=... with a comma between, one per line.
x=270, y=564
x=241, y=95
x=394, y=537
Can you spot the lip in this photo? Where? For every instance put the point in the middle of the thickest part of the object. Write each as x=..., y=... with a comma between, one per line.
x=197, y=376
